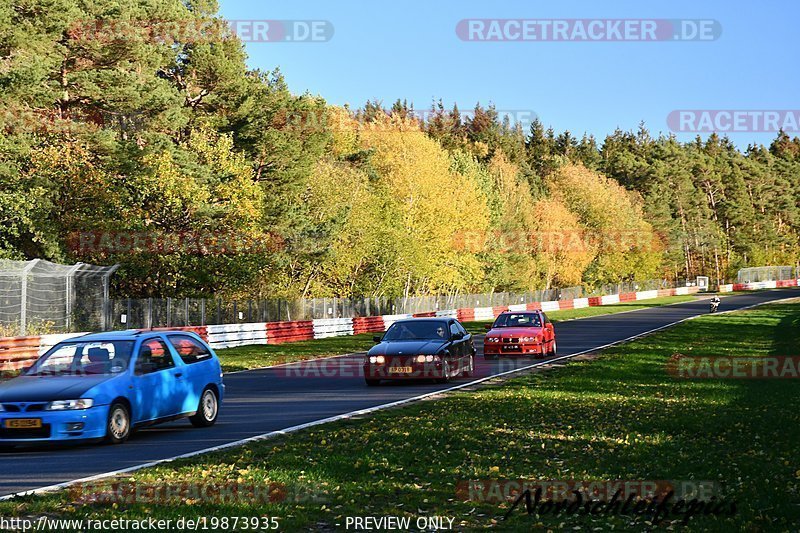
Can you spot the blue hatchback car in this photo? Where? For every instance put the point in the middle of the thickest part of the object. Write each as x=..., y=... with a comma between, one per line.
x=103, y=385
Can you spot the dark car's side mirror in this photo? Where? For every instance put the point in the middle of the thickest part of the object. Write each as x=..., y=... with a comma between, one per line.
x=457, y=336
x=377, y=338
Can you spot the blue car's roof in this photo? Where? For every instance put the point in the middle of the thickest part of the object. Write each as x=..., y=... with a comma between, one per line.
x=128, y=334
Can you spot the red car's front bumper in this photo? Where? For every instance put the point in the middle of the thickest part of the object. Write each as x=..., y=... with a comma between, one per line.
x=515, y=348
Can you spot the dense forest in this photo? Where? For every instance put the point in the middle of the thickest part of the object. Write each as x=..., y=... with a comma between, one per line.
x=134, y=133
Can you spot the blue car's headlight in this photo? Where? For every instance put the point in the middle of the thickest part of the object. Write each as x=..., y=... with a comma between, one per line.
x=70, y=405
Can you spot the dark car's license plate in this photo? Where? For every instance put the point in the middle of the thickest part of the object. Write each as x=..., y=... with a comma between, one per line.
x=23, y=423
x=401, y=369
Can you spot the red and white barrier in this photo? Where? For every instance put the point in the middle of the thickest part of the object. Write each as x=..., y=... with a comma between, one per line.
x=484, y=313
x=16, y=352
x=388, y=320
x=609, y=299
x=48, y=341
x=232, y=335
x=646, y=295
x=297, y=330
x=580, y=303
x=550, y=306
x=332, y=327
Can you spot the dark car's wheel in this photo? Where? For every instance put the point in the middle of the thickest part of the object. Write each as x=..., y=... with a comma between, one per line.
x=470, y=370
x=207, y=410
x=445, y=373
x=372, y=382
x=118, y=427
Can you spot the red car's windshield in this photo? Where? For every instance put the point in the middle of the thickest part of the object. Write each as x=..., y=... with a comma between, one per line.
x=84, y=359
x=519, y=320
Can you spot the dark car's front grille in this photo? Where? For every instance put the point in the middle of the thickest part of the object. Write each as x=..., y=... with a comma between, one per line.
x=11, y=408
x=33, y=433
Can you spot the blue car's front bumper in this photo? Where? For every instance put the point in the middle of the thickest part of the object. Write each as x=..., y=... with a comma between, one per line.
x=56, y=426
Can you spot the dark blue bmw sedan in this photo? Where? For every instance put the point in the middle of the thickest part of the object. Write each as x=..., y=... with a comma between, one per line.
x=104, y=385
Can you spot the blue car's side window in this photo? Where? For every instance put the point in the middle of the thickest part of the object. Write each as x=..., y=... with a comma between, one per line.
x=154, y=356
x=189, y=349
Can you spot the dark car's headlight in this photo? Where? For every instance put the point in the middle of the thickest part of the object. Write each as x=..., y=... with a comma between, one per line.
x=1, y=408
x=70, y=405
x=379, y=359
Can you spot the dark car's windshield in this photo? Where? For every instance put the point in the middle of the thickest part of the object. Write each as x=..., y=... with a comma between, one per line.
x=84, y=359
x=417, y=330
x=519, y=320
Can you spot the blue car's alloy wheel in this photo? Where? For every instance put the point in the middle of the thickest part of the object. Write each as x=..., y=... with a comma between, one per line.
x=207, y=411
x=118, y=428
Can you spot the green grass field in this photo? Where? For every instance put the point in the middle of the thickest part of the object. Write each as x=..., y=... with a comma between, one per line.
x=621, y=416
x=247, y=357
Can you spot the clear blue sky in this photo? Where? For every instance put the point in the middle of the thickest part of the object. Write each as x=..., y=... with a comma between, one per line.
x=389, y=50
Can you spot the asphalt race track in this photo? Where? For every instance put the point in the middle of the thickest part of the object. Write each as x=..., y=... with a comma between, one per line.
x=261, y=401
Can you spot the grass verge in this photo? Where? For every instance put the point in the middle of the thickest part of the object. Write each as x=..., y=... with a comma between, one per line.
x=619, y=417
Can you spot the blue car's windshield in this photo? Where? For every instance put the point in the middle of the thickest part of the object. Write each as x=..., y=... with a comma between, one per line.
x=84, y=359
x=417, y=330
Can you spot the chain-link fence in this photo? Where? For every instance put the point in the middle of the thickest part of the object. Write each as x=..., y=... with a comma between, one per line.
x=174, y=312
x=39, y=297
x=766, y=273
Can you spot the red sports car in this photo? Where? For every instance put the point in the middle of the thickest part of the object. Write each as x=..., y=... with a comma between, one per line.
x=520, y=333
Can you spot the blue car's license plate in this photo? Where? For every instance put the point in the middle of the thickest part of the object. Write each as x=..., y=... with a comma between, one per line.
x=23, y=423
